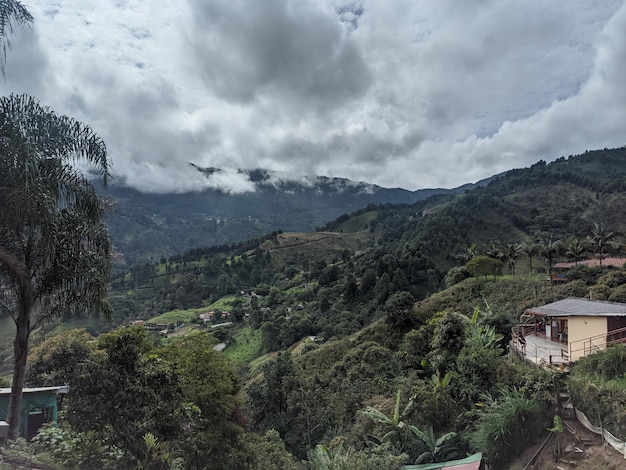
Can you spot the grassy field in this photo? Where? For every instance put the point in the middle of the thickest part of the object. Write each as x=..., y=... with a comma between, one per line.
x=176, y=316
x=359, y=222
x=98, y=323
x=247, y=346
x=222, y=304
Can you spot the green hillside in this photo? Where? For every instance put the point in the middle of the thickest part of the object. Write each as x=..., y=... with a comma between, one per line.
x=391, y=314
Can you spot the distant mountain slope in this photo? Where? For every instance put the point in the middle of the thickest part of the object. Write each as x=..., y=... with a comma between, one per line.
x=363, y=258
x=147, y=227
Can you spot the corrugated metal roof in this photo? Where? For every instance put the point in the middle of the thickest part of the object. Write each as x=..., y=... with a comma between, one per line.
x=469, y=463
x=60, y=389
x=576, y=307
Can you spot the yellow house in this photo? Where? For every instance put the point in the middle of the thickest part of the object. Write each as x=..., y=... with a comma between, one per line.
x=583, y=325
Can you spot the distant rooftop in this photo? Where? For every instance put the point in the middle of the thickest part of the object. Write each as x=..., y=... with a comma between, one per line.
x=577, y=307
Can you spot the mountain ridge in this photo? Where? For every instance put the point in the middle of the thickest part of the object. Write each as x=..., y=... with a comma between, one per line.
x=148, y=226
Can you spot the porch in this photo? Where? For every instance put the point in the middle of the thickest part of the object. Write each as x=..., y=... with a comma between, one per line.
x=538, y=349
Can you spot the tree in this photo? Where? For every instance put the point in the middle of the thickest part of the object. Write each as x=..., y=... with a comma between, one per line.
x=207, y=381
x=531, y=250
x=126, y=392
x=600, y=239
x=481, y=265
x=54, y=247
x=511, y=252
x=550, y=249
x=54, y=361
x=576, y=248
x=12, y=14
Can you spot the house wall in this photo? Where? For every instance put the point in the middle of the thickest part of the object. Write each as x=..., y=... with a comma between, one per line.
x=582, y=328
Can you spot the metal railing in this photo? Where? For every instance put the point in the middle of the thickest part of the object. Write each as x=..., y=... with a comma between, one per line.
x=519, y=333
x=597, y=342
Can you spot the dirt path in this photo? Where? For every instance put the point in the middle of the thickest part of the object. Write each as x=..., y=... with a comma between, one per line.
x=580, y=449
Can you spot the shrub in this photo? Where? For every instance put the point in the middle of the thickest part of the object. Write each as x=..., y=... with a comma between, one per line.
x=506, y=424
x=74, y=450
x=455, y=275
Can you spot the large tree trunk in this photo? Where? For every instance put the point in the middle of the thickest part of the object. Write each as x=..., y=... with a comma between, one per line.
x=20, y=351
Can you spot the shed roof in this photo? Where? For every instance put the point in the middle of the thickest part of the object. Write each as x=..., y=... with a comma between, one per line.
x=61, y=389
x=469, y=463
x=577, y=307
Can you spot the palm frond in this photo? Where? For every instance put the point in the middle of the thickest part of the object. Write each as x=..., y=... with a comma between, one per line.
x=12, y=14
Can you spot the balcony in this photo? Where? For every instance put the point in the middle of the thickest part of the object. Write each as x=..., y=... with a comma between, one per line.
x=537, y=349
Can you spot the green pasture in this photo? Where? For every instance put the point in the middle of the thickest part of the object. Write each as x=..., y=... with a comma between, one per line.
x=246, y=348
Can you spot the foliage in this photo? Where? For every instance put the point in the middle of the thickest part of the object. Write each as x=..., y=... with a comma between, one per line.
x=399, y=432
x=438, y=449
x=127, y=393
x=455, y=275
x=598, y=388
x=283, y=401
x=481, y=265
x=267, y=452
x=399, y=311
x=71, y=450
x=609, y=364
x=504, y=425
x=54, y=361
x=12, y=14
x=557, y=428
x=433, y=403
x=448, y=339
x=54, y=247
x=208, y=383
x=340, y=457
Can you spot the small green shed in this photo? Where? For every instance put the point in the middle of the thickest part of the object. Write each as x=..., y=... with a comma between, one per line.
x=39, y=406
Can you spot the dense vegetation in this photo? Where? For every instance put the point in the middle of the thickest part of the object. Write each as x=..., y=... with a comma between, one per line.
x=377, y=341
x=147, y=226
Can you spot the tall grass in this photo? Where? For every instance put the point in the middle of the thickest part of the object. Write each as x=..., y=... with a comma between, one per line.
x=506, y=424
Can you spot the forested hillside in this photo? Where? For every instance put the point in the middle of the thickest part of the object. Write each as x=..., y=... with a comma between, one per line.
x=148, y=226
x=377, y=341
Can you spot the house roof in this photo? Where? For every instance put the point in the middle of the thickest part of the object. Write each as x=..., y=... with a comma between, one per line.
x=577, y=307
x=62, y=389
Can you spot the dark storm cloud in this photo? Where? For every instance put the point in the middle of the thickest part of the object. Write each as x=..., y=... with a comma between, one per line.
x=247, y=50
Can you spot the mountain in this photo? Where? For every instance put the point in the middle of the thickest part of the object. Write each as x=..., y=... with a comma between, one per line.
x=351, y=318
x=149, y=226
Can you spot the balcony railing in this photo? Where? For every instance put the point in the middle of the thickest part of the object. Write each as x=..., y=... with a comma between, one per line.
x=597, y=343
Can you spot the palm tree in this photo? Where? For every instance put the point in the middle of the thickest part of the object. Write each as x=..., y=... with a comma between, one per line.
x=511, y=252
x=576, y=248
x=531, y=250
x=550, y=249
x=600, y=239
x=12, y=14
x=495, y=251
x=54, y=247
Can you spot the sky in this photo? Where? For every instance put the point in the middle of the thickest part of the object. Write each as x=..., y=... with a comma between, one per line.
x=404, y=93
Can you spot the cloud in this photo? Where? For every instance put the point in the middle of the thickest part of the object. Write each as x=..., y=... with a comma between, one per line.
x=409, y=94
x=292, y=53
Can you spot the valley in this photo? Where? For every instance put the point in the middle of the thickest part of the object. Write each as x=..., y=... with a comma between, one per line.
x=367, y=341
